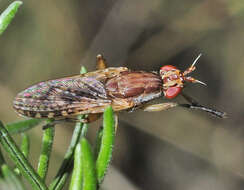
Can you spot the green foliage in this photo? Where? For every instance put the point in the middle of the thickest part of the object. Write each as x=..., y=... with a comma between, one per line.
x=22, y=126
x=20, y=160
x=84, y=176
x=106, y=144
x=10, y=179
x=7, y=15
x=89, y=170
x=47, y=142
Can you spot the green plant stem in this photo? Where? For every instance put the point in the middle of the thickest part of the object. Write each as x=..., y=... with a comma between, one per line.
x=88, y=166
x=98, y=141
x=25, y=147
x=84, y=129
x=67, y=164
x=11, y=178
x=107, y=143
x=7, y=15
x=22, y=126
x=2, y=162
x=77, y=174
x=47, y=142
x=19, y=159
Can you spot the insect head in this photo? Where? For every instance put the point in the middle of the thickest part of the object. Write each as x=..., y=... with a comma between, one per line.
x=174, y=79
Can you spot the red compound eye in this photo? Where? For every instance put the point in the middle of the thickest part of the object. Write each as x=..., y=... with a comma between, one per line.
x=167, y=68
x=171, y=81
x=172, y=92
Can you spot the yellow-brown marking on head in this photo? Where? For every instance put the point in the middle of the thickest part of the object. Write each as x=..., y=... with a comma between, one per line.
x=173, y=79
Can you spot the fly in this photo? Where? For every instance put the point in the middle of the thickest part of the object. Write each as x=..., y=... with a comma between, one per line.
x=119, y=87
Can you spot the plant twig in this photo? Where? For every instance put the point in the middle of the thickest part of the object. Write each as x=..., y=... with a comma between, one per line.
x=89, y=181
x=107, y=143
x=7, y=15
x=22, y=126
x=47, y=142
x=67, y=164
x=19, y=159
x=2, y=162
x=77, y=174
x=25, y=147
x=10, y=178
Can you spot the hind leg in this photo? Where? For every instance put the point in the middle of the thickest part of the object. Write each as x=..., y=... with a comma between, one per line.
x=195, y=105
x=159, y=107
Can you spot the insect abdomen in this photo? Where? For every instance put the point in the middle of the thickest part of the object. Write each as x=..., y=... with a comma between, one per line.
x=134, y=84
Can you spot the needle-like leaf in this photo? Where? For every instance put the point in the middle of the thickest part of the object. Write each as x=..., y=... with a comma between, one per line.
x=7, y=15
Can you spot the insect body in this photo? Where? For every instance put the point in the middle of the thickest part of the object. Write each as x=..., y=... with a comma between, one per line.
x=92, y=92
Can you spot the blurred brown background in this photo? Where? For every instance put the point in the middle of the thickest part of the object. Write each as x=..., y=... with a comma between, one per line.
x=174, y=150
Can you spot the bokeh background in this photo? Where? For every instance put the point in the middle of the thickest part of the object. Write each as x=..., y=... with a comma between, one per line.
x=174, y=150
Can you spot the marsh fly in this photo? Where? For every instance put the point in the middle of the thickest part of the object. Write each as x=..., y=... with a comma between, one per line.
x=119, y=87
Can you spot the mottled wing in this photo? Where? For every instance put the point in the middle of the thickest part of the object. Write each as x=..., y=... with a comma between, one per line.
x=66, y=97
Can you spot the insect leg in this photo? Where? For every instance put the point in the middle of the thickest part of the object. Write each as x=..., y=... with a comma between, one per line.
x=116, y=121
x=92, y=117
x=189, y=99
x=49, y=125
x=88, y=119
x=101, y=62
x=54, y=122
x=195, y=105
x=159, y=107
